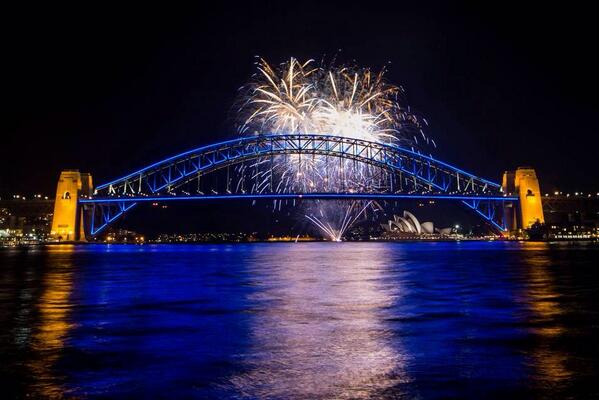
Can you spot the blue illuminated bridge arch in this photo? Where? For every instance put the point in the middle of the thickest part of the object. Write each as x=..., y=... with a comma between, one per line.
x=411, y=175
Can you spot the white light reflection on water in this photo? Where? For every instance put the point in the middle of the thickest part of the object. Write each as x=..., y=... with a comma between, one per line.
x=318, y=329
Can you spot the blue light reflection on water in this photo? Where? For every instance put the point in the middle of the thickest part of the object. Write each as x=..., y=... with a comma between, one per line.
x=308, y=320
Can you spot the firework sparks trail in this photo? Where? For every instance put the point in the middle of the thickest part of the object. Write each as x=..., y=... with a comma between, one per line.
x=303, y=98
x=351, y=215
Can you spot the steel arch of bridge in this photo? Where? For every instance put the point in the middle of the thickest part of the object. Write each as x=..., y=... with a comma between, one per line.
x=433, y=178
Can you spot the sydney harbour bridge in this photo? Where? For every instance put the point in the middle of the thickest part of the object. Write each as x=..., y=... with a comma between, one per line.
x=244, y=168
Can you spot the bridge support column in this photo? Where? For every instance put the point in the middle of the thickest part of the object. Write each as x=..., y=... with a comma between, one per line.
x=68, y=222
x=524, y=183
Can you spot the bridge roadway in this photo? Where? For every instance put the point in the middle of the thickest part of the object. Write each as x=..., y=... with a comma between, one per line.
x=298, y=196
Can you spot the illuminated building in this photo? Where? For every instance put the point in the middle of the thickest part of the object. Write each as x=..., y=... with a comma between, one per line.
x=408, y=226
x=25, y=220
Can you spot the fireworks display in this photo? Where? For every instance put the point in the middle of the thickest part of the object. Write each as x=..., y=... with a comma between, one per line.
x=305, y=98
x=343, y=101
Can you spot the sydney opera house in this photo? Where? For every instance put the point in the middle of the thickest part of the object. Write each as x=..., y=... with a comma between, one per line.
x=409, y=226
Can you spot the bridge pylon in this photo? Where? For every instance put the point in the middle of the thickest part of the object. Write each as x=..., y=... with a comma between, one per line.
x=523, y=182
x=68, y=222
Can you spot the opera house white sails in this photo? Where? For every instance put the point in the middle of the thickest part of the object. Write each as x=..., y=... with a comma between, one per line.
x=408, y=225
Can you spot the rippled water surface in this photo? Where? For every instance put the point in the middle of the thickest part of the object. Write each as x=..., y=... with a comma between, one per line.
x=307, y=321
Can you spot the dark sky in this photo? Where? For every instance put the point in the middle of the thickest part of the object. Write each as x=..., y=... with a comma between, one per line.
x=111, y=89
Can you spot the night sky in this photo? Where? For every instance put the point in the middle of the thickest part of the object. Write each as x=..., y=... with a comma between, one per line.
x=109, y=90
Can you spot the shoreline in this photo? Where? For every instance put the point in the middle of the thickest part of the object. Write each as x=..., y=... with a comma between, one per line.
x=72, y=243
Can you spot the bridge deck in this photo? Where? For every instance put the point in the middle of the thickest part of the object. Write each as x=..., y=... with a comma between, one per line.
x=298, y=196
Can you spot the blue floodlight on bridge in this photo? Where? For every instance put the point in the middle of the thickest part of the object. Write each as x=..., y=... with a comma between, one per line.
x=427, y=177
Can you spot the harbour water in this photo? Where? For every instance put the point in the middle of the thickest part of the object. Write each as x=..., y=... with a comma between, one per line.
x=301, y=321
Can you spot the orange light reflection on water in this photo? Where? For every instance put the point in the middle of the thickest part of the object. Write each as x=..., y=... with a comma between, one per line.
x=48, y=339
x=544, y=301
